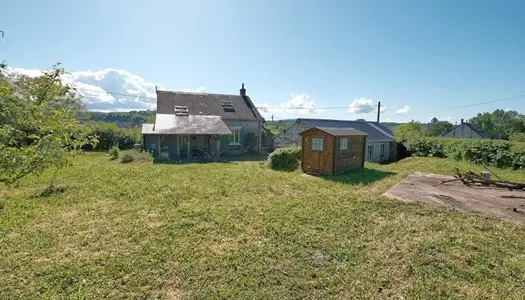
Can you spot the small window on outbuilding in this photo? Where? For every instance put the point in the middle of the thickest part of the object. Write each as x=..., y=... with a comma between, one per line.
x=228, y=106
x=382, y=151
x=317, y=144
x=343, y=144
x=370, y=152
x=181, y=110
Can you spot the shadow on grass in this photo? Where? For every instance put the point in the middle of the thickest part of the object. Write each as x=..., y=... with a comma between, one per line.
x=50, y=191
x=360, y=176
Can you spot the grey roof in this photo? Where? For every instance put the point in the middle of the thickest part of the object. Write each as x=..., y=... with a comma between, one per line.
x=473, y=127
x=208, y=105
x=172, y=124
x=339, y=131
x=375, y=131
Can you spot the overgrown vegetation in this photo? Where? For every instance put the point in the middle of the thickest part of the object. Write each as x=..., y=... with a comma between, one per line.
x=284, y=159
x=496, y=153
x=239, y=231
x=110, y=135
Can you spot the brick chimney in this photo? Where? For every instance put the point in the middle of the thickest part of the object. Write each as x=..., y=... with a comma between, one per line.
x=243, y=90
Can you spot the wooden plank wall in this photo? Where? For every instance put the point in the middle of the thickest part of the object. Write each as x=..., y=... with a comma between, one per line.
x=352, y=158
x=317, y=162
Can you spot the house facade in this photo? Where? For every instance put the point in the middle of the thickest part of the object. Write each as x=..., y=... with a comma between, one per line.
x=201, y=125
x=466, y=131
x=380, y=144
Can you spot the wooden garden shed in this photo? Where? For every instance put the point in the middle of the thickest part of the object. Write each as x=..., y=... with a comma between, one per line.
x=332, y=150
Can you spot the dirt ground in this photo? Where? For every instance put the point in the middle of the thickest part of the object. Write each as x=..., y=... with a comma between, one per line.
x=428, y=189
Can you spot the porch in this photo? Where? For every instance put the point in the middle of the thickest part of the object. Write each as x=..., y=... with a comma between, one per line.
x=186, y=147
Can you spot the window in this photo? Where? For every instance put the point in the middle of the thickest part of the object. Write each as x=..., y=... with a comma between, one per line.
x=370, y=153
x=343, y=144
x=181, y=110
x=227, y=106
x=236, y=136
x=317, y=144
x=382, y=151
x=183, y=141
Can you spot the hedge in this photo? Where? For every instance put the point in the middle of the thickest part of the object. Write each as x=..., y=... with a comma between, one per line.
x=284, y=159
x=498, y=153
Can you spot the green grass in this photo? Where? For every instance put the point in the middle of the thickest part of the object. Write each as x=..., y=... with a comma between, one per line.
x=238, y=230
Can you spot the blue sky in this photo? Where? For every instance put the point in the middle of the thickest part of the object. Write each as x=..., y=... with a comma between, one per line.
x=416, y=57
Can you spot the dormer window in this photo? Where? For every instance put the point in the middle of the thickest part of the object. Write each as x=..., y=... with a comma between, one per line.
x=228, y=106
x=181, y=110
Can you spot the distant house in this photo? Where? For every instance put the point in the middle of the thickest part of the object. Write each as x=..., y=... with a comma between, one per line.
x=328, y=150
x=466, y=131
x=190, y=125
x=380, y=144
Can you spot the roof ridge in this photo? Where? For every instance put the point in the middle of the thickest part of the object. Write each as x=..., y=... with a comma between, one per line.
x=198, y=93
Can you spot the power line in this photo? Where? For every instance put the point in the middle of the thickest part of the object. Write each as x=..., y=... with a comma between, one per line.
x=469, y=105
x=328, y=107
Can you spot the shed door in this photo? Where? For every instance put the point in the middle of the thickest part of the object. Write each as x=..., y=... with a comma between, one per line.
x=317, y=155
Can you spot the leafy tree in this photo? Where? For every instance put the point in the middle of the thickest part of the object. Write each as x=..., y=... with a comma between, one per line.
x=408, y=131
x=38, y=128
x=436, y=127
x=500, y=122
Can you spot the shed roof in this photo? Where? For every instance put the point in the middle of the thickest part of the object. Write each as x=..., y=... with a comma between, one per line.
x=338, y=131
x=375, y=131
x=172, y=124
x=238, y=107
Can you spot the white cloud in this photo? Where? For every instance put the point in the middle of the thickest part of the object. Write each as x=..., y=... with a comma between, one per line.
x=299, y=104
x=403, y=110
x=111, y=89
x=363, y=106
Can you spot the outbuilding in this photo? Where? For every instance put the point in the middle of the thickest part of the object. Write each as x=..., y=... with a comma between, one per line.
x=332, y=150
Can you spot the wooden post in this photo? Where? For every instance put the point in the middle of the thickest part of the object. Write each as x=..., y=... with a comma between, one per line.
x=178, y=147
x=158, y=144
x=189, y=149
x=218, y=149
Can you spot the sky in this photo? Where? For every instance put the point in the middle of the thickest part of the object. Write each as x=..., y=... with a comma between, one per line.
x=307, y=58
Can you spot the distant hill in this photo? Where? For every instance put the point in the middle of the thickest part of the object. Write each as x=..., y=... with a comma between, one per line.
x=127, y=119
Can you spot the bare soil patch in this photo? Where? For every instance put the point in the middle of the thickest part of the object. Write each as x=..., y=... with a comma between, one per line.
x=429, y=189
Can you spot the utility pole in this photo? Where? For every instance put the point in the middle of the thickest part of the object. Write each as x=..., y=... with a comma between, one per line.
x=378, y=111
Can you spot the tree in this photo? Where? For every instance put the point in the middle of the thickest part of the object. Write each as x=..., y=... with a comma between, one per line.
x=500, y=122
x=408, y=131
x=437, y=127
x=38, y=128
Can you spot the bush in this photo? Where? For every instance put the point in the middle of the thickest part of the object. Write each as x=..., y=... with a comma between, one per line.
x=135, y=155
x=250, y=141
x=285, y=159
x=110, y=135
x=114, y=152
x=127, y=156
x=501, y=154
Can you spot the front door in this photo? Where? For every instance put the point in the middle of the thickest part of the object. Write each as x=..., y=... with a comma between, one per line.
x=317, y=154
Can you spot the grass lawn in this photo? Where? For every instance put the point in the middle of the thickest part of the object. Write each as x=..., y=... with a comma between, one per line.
x=238, y=230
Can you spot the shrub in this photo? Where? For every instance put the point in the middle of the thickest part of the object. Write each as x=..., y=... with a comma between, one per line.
x=285, y=159
x=496, y=153
x=250, y=141
x=114, y=152
x=109, y=135
x=127, y=156
x=135, y=155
